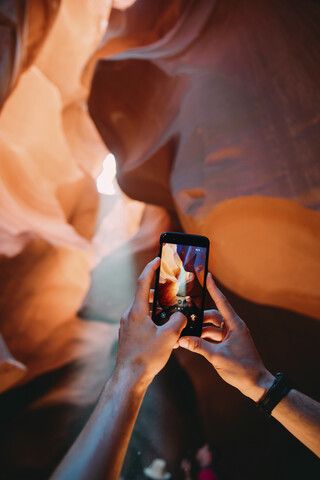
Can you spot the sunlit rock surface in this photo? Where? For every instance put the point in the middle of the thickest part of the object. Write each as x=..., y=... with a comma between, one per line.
x=51, y=155
x=226, y=106
x=24, y=27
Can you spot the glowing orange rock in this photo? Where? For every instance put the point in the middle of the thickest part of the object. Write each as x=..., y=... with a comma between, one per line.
x=266, y=249
x=36, y=165
x=50, y=155
x=222, y=110
x=23, y=29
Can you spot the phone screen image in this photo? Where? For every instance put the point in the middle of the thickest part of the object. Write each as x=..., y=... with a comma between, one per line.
x=181, y=282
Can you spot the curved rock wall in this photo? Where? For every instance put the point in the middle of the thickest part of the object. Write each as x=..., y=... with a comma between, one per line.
x=219, y=120
x=212, y=110
x=50, y=155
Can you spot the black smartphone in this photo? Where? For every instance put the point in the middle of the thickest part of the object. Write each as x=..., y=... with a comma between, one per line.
x=181, y=280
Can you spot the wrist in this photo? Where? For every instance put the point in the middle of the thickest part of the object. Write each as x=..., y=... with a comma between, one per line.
x=130, y=378
x=261, y=384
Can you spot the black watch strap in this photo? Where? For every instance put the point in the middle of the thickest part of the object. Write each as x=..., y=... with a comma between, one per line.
x=279, y=389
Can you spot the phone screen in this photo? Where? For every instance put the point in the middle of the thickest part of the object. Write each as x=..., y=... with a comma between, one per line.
x=181, y=283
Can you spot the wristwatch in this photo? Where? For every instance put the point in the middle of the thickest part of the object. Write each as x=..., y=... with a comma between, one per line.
x=279, y=389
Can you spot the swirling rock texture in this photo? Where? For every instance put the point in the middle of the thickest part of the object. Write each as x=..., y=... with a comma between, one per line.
x=43, y=181
x=50, y=154
x=228, y=107
x=212, y=111
x=218, y=120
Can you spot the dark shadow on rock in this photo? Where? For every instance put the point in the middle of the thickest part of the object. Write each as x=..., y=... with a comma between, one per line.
x=34, y=440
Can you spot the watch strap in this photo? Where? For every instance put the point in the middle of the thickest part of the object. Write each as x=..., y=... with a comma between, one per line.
x=279, y=389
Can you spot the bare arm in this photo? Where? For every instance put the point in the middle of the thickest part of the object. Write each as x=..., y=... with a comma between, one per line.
x=237, y=361
x=143, y=350
x=99, y=451
x=301, y=416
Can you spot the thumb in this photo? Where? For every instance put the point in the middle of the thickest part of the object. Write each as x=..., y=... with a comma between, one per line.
x=197, y=345
x=175, y=324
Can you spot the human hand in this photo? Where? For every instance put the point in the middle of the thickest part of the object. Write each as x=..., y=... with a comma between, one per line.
x=144, y=348
x=233, y=355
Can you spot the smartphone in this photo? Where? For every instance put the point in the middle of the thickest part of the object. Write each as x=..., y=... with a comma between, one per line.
x=181, y=280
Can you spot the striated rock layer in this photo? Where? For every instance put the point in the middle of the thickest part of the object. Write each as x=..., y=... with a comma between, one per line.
x=226, y=106
x=212, y=111
x=50, y=156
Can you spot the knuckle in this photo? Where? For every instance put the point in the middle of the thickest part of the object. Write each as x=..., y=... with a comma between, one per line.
x=179, y=324
x=145, y=272
x=196, y=344
x=169, y=333
x=243, y=328
x=135, y=309
x=140, y=280
x=223, y=299
x=172, y=329
x=215, y=358
x=176, y=329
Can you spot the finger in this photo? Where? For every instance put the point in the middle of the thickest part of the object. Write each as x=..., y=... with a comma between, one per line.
x=144, y=281
x=222, y=303
x=151, y=295
x=175, y=324
x=198, y=345
x=213, y=316
x=212, y=333
x=126, y=313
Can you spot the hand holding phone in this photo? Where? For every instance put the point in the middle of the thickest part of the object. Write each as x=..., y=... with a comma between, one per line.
x=181, y=280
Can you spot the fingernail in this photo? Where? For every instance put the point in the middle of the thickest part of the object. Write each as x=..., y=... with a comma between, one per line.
x=183, y=342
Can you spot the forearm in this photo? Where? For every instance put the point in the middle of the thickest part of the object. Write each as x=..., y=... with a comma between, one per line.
x=231, y=351
x=99, y=451
x=299, y=414
x=143, y=350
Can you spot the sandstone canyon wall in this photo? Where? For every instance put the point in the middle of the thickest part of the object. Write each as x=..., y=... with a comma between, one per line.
x=211, y=109
x=50, y=156
x=219, y=120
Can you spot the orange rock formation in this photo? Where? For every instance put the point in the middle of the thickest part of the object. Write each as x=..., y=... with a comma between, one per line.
x=212, y=111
